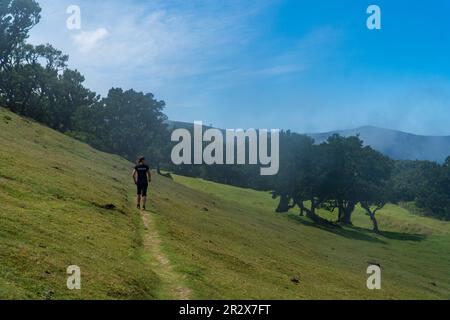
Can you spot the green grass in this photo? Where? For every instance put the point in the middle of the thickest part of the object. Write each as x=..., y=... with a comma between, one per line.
x=231, y=244
x=51, y=190
x=223, y=242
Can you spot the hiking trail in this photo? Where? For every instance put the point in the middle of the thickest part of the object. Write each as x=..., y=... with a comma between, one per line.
x=172, y=283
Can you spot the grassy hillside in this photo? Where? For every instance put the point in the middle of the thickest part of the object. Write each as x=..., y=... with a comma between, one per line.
x=52, y=190
x=230, y=244
x=200, y=239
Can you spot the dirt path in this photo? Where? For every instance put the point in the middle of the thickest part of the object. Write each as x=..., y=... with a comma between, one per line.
x=173, y=283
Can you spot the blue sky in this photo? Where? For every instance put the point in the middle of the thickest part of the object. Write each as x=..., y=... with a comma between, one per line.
x=309, y=66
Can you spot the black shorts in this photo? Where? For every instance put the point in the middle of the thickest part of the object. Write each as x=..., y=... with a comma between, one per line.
x=142, y=189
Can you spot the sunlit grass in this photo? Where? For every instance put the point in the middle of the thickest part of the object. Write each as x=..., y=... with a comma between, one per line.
x=51, y=188
x=231, y=244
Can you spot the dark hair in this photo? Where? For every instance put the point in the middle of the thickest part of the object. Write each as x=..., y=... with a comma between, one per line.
x=141, y=159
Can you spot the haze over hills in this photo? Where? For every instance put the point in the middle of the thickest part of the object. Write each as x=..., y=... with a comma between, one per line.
x=396, y=144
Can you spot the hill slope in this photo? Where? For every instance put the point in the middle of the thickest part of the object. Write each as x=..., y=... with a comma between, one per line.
x=230, y=244
x=204, y=240
x=52, y=189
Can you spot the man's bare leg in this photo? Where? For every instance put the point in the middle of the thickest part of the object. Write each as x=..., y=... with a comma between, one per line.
x=138, y=201
x=144, y=202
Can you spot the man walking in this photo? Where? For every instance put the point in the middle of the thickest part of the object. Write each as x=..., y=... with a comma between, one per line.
x=141, y=177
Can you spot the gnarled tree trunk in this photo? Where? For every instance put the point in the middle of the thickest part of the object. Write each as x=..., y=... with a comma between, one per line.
x=311, y=214
x=299, y=202
x=283, y=205
x=375, y=223
x=346, y=209
x=372, y=214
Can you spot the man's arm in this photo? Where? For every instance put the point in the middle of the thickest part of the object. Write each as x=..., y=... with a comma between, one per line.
x=134, y=176
x=149, y=175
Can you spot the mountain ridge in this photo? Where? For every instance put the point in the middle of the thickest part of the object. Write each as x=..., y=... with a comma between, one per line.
x=398, y=145
x=368, y=127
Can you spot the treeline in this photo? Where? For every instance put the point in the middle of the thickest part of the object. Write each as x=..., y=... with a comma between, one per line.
x=425, y=184
x=338, y=175
x=342, y=173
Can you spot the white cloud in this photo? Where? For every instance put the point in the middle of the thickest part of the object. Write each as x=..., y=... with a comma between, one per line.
x=219, y=57
x=281, y=70
x=193, y=54
x=86, y=41
x=149, y=45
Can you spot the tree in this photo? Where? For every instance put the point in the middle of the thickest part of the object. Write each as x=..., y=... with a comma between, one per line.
x=447, y=162
x=374, y=189
x=39, y=85
x=424, y=184
x=127, y=123
x=433, y=195
x=343, y=158
x=337, y=175
x=17, y=17
x=68, y=96
x=312, y=173
x=294, y=149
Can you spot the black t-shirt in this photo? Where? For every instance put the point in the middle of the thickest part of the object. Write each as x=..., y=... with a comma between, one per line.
x=142, y=170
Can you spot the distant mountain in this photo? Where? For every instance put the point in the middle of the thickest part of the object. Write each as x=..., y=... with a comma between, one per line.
x=396, y=144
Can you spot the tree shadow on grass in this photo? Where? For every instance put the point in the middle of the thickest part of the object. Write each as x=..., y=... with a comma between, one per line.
x=357, y=233
x=349, y=233
x=401, y=236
